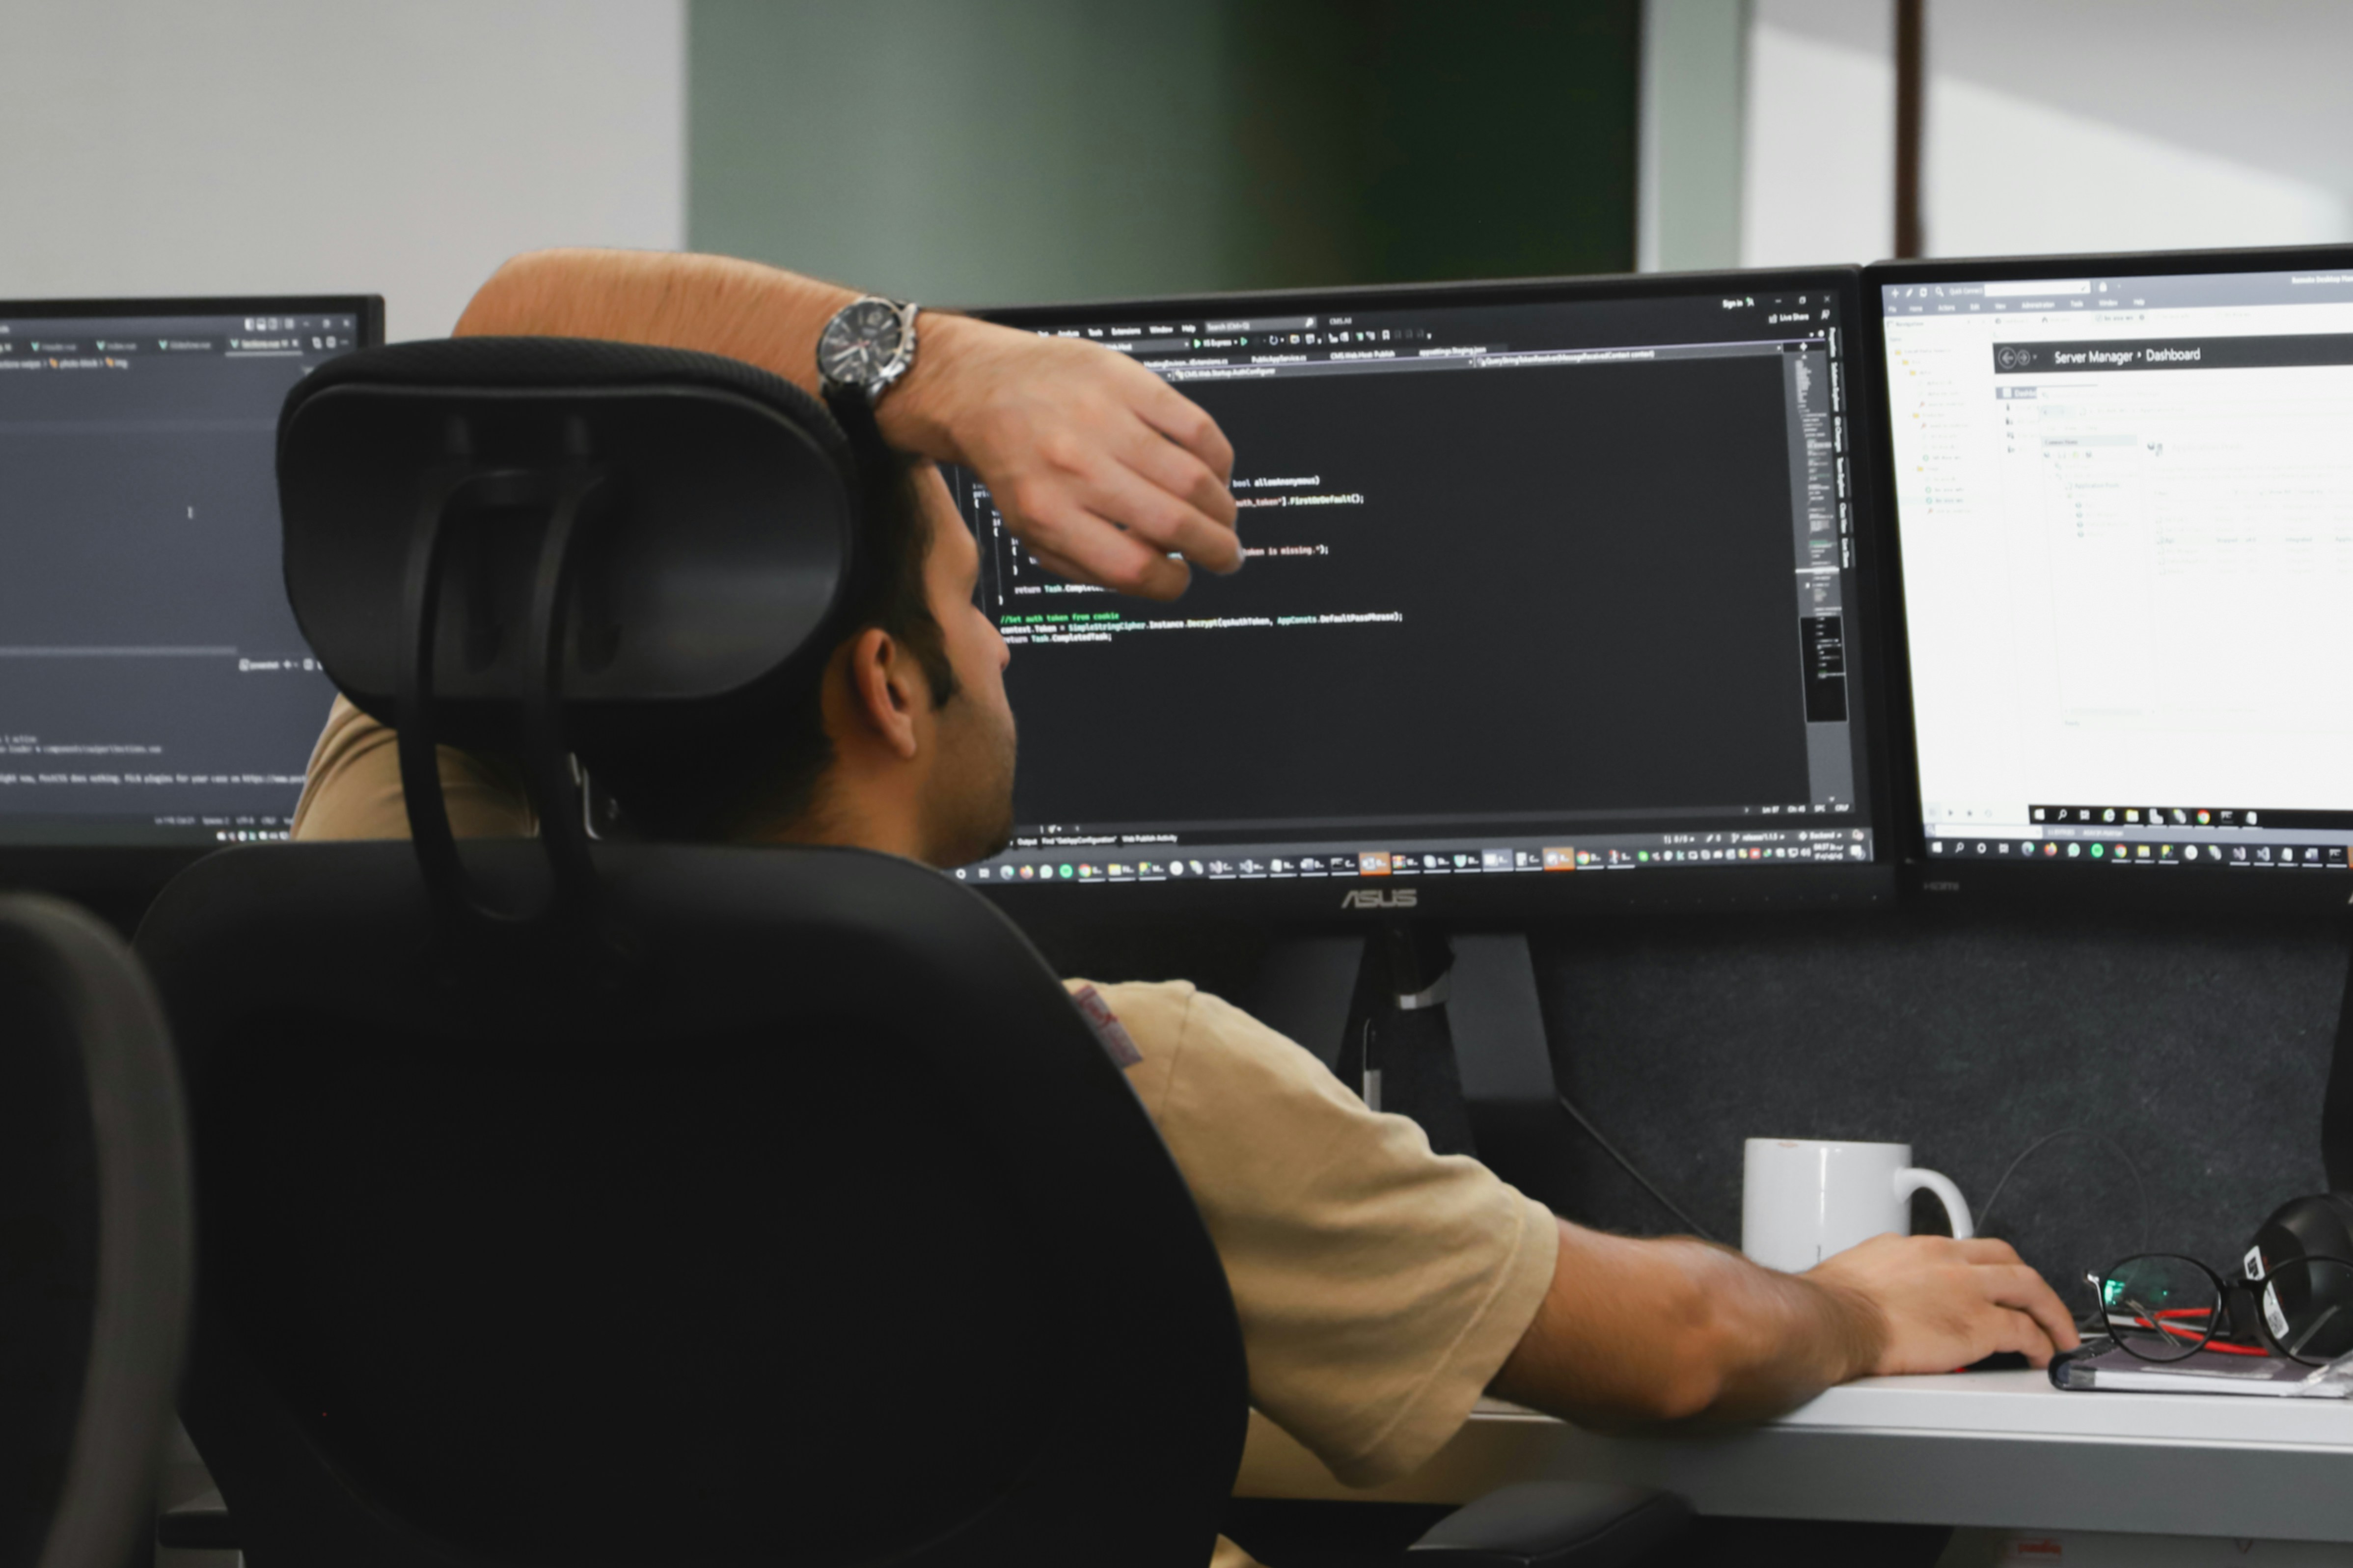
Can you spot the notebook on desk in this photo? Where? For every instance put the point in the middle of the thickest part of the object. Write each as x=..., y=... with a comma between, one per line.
x=2101, y=1366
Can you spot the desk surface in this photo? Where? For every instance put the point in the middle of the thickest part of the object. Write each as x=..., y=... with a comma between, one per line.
x=1998, y=1448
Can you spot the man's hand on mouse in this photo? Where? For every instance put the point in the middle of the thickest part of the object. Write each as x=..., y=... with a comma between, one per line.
x=1943, y=1303
x=1103, y=471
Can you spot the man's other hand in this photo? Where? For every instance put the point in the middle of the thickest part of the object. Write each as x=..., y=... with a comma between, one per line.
x=1635, y=1334
x=1103, y=470
x=1947, y=1303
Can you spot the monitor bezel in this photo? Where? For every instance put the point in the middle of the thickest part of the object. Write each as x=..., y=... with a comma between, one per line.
x=1487, y=897
x=118, y=880
x=2059, y=884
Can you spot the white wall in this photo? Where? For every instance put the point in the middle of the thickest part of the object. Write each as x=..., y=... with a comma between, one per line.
x=2052, y=125
x=1818, y=182
x=1692, y=131
x=402, y=148
x=2008, y=175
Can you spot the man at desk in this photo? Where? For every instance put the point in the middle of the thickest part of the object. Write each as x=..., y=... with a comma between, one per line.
x=1382, y=1289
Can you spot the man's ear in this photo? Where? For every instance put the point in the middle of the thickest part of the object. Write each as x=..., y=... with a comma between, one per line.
x=885, y=690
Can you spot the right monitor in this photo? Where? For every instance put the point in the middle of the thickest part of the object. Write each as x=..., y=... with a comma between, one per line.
x=2124, y=495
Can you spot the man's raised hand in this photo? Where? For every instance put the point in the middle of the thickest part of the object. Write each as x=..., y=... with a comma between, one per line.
x=1103, y=471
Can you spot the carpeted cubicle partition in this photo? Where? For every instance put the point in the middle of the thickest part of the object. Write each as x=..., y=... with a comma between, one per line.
x=2195, y=1049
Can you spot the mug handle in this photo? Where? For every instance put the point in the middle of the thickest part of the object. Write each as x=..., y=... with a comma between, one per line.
x=1956, y=1208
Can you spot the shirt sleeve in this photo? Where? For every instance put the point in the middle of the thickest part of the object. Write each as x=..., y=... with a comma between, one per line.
x=352, y=788
x=1381, y=1286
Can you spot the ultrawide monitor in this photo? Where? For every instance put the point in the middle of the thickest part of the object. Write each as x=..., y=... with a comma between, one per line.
x=1554, y=593
x=153, y=689
x=2124, y=488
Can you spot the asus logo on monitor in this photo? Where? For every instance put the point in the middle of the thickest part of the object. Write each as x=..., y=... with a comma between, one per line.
x=1378, y=898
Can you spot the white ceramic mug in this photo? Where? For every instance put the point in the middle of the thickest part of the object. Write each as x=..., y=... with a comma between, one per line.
x=1802, y=1200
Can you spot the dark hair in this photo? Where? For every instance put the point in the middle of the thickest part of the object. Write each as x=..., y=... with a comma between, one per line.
x=733, y=786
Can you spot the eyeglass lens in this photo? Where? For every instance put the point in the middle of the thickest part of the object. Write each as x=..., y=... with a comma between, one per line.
x=2161, y=1308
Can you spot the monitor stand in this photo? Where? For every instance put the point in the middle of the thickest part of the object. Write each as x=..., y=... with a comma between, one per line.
x=1442, y=1028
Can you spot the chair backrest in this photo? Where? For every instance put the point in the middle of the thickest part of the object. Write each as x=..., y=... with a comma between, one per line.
x=570, y=551
x=94, y=1239
x=708, y=529
x=581, y=1205
x=811, y=1225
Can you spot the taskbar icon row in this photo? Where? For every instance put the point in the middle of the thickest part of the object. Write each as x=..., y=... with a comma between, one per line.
x=1222, y=868
x=1687, y=850
x=2301, y=857
x=2096, y=816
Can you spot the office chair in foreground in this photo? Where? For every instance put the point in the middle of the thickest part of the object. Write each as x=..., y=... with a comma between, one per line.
x=94, y=1240
x=635, y=1204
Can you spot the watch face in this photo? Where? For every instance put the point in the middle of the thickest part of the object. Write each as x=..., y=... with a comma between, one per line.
x=861, y=342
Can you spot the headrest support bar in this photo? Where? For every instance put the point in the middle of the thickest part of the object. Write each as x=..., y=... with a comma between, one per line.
x=547, y=754
x=564, y=492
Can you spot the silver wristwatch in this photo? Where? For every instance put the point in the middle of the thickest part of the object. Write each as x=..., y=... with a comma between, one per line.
x=868, y=344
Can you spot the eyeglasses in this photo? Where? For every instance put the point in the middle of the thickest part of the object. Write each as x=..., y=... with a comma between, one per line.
x=2161, y=1307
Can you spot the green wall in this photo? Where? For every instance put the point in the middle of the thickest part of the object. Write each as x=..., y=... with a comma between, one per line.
x=1023, y=149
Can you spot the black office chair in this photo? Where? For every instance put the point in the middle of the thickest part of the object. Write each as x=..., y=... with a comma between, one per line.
x=94, y=1239
x=621, y=1204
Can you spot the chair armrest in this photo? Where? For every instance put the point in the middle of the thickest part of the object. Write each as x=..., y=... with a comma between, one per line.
x=1554, y=1524
x=200, y=1524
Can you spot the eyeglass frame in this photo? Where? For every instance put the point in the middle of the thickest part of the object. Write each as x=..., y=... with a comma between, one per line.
x=2227, y=1291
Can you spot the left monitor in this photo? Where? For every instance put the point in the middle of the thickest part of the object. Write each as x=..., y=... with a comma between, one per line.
x=153, y=690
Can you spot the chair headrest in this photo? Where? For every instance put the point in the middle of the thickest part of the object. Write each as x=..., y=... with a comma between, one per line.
x=714, y=532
